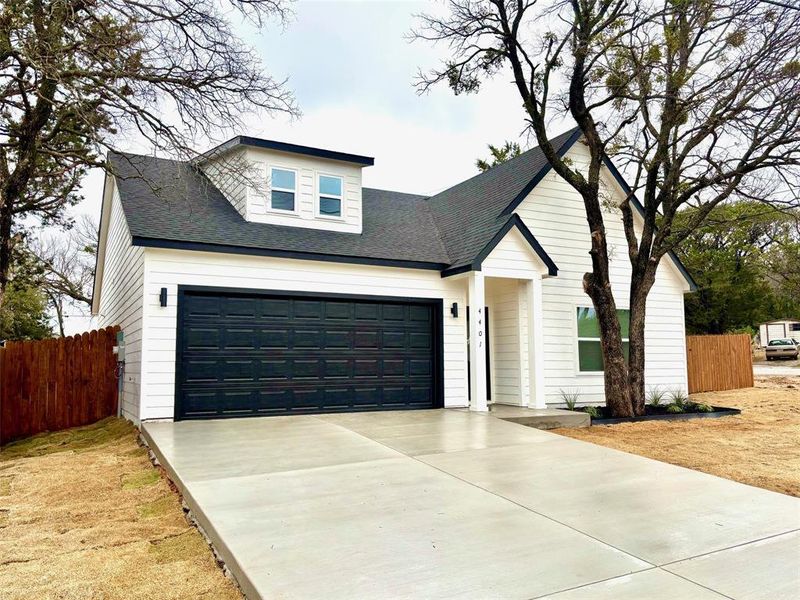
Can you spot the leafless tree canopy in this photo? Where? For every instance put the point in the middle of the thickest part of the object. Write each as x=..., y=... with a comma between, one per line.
x=62, y=266
x=79, y=76
x=698, y=101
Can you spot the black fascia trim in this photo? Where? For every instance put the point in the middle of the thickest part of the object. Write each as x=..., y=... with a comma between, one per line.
x=438, y=330
x=541, y=174
x=514, y=221
x=640, y=209
x=337, y=258
x=366, y=161
x=458, y=270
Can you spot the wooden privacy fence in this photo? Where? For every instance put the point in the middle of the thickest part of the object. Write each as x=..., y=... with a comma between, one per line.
x=719, y=362
x=54, y=384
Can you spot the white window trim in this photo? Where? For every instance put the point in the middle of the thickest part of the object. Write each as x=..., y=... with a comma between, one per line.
x=578, y=339
x=318, y=197
x=281, y=211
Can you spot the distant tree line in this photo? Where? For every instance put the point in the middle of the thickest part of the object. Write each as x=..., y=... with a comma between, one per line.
x=746, y=262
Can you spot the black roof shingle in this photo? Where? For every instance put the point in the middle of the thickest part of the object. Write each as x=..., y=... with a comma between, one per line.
x=168, y=203
x=173, y=204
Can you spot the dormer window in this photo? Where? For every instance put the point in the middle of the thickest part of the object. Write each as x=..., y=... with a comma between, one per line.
x=283, y=188
x=330, y=196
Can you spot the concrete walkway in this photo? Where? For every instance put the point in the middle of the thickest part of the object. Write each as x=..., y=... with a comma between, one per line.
x=450, y=504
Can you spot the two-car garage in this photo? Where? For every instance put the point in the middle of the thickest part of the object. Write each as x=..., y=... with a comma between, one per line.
x=252, y=353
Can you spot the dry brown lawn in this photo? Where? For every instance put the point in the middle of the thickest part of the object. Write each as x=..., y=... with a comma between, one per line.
x=760, y=447
x=83, y=514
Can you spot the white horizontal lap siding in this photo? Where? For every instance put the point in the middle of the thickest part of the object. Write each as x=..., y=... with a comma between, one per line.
x=226, y=173
x=121, y=302
x=307, y=169
x=171, y=268
x=555, y=215
x=512, y=257
x=504, y=336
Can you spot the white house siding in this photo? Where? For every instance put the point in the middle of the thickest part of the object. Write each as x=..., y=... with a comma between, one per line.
x=502, y=298
x=229, y=175
x=555, y=214
x=513, y=257
x=121, y=301
x=170, y=268
x=308, y=170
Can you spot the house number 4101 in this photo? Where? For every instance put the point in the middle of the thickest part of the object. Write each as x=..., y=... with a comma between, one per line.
x=480, y=328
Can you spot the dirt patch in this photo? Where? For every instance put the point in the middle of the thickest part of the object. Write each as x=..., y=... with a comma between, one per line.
x=87, y=516
x=760, y=447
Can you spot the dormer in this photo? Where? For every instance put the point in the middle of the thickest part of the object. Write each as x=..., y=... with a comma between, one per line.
x=287, y=184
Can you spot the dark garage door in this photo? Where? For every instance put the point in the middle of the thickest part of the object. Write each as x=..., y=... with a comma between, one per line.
x=248, y=354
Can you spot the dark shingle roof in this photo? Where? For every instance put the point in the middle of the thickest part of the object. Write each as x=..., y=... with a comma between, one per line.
x=172, y=204
x=170, y=201
x=471, y=213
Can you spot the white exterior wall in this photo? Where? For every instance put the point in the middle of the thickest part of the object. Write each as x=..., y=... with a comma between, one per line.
x=229, y=175
x=555, y=214
x=513, y=257
x=170, y=268
x=502, y=298
x=121, y=300
x=307, y=171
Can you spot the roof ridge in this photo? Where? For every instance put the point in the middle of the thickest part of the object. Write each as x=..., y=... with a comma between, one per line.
x=506, y=164
x=375, y=189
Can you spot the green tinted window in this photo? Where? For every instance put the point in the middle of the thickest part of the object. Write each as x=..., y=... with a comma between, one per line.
x=590, y=356
x=588, y=327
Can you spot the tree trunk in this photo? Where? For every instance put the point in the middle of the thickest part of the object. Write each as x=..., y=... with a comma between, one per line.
x=617, y=394
x=642, y=279
x=6, y=247
x=59, y=308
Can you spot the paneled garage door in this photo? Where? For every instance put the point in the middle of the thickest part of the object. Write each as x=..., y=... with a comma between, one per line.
x=255, y=354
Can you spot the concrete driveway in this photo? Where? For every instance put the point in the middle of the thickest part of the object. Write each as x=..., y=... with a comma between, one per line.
x=451, y=504
x=784, y=368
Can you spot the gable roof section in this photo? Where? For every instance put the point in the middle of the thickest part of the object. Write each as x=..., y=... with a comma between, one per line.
x=640, y=209
x=176, y=206
x=470, y=214
x=514, y=221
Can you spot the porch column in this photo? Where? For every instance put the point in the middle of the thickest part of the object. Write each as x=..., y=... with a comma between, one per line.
x=535, y=343
x=477, y=342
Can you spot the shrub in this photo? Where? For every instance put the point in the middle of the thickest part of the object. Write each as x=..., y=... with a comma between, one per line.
x=703, y=408
x=675, y=408
x=678, y=397
x=655, y=395
x=593, y=412
x=570, y=398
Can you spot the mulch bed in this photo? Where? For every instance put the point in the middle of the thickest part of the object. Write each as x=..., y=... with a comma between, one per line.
x=660, y=413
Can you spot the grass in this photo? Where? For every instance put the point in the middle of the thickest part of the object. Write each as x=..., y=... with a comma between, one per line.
x=78, y=439
x=760, y=447
x=83, y=514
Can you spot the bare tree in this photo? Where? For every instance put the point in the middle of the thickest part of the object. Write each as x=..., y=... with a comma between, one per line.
x=78, y=76
x=62, y=266
x=698, y=100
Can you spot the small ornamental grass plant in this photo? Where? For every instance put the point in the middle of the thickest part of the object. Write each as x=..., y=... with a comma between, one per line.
x=656, y=395
x=570, y=398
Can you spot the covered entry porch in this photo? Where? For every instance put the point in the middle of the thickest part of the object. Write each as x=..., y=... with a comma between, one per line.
x=505, y=341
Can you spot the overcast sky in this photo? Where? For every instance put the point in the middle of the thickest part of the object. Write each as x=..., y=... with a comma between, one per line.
x=351, y=69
